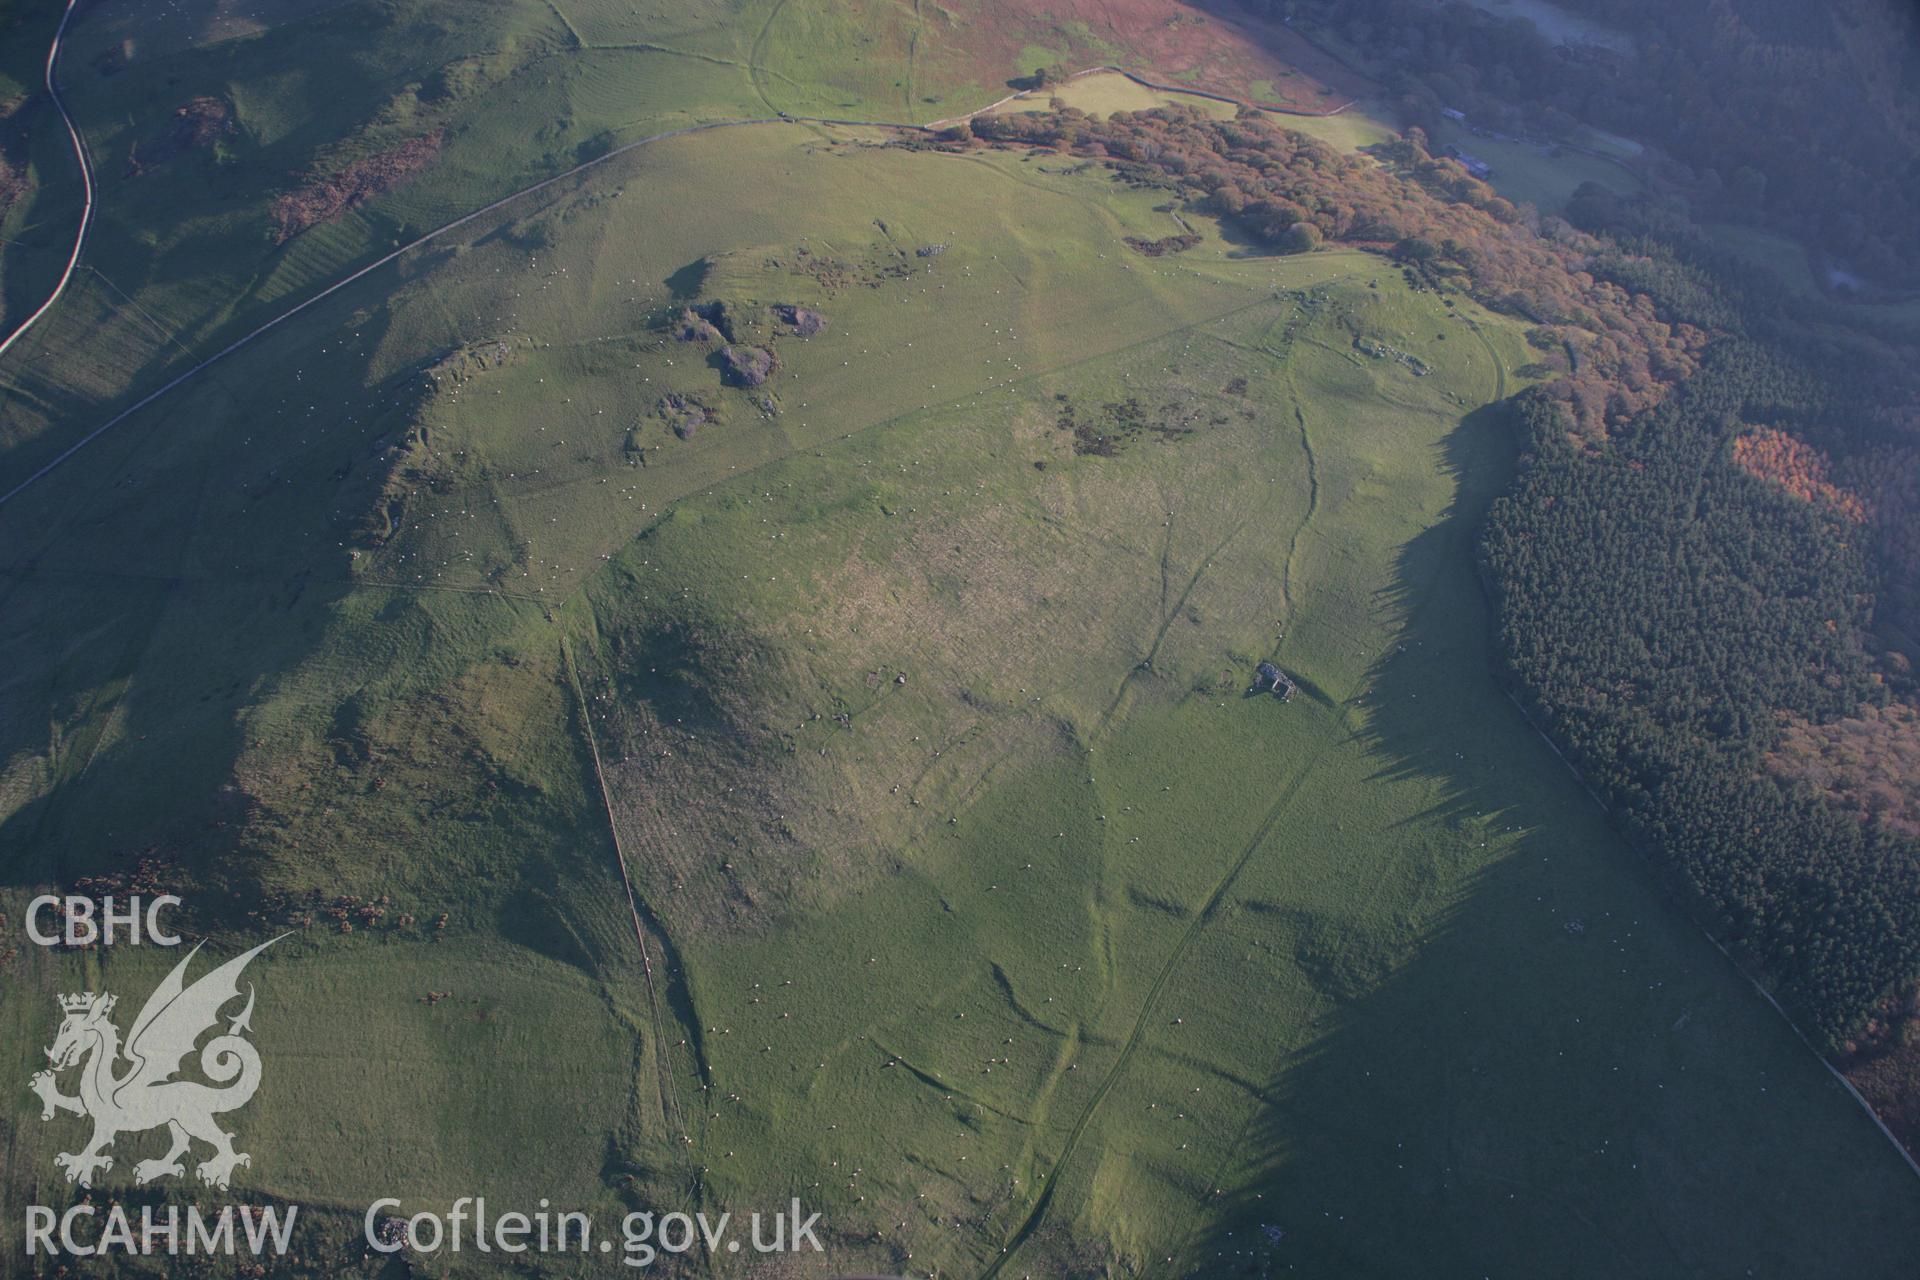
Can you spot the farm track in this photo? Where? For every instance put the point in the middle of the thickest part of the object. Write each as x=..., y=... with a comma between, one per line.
x=86, y=183
x=1313, y=507
x=756, y=59
x=913, y=54
x=166, y=335
x=1201, y=919
x=361, y=273
x=1313, y=472
x=1028, y=379
x=1182, y=947
x=1214, y=902
x=579, y=41
x=1463, y=539
x=1168, y=616
x=1499, y=365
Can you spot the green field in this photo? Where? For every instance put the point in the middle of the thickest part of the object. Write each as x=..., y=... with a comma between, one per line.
x=1104, y=92
x=1787, y=259
x=1533, y=173
x=1352, y=130
x=981, y=908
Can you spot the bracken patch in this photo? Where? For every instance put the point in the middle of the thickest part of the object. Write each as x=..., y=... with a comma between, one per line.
x=322, y=199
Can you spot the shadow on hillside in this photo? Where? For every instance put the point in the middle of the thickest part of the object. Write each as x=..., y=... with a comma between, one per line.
x=185, y=639
x=1560, y=1079
x=1241, y=240
x=125, y=553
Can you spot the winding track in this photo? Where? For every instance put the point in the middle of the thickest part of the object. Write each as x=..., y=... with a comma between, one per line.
x=86, y=185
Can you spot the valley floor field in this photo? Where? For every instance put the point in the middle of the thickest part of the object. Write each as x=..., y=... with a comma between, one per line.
x=904, y=657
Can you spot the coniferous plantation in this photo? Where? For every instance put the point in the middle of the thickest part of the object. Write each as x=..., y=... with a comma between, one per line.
x=1662, y=610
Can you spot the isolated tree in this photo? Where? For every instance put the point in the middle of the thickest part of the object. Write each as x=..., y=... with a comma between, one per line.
x=1301, y=237
x=1416, y=249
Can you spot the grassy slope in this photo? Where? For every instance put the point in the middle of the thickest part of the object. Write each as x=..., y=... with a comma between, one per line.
x=183, y=255
x=1336, y=966
x=234, y=682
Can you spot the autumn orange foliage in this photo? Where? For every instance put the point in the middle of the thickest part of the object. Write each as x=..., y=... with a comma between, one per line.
x=1797, y=467
x=1868, y=764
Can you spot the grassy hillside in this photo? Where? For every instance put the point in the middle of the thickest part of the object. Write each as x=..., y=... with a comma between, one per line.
x=976, y=896
x=367, y=122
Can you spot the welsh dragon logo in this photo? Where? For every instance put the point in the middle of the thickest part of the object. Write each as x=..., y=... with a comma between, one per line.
x=132, y=1088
